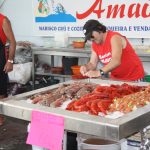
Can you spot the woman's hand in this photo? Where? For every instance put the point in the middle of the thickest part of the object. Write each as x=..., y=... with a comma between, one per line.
x=8, y=67
x=93, y=74
x=83, y=70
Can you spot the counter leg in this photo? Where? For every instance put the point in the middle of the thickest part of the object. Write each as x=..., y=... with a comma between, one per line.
x=33, y=71
x=52, y=65
x=65, y=141
x=63, y=79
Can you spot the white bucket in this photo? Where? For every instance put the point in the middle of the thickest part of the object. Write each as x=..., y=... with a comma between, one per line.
x=87, y=142
x=61, y=39
x=99, y=144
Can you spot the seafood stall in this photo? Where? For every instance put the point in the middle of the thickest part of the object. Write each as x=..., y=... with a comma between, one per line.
x=61, y=99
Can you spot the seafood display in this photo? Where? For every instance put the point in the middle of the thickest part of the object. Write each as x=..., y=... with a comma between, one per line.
x=101, y=98
x=56, y=97
x=94, y=98
x=131, y=102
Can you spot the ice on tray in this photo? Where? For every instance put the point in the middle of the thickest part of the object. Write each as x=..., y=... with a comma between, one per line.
x=64, y=105
x=29, y=101
x=115, y=115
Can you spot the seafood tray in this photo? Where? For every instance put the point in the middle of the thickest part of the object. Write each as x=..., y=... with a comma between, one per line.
x=106, y=128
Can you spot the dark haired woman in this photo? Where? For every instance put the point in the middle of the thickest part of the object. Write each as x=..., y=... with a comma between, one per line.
x=115, y=53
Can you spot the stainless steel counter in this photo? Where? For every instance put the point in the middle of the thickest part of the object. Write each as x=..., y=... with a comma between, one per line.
x=112, y=129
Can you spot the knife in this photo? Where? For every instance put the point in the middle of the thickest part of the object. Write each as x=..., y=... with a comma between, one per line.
x=88, y=80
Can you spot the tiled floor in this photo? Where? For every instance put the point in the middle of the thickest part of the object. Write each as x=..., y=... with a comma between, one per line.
x=13, y=135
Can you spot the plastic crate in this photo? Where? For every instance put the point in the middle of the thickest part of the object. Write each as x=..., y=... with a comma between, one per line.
x=67, y=62
x=147, y=78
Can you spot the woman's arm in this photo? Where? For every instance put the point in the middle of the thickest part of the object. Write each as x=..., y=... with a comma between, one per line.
x=117, y=46
x=91, y=65
x=12, y=44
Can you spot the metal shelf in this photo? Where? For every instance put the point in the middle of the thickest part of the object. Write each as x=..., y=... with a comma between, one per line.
x=53, y=75
x=69, y=51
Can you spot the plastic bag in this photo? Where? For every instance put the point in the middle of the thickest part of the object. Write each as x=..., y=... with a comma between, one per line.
x=21, y=73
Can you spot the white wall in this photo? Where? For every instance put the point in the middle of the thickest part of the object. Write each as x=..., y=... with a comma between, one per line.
x=20, y=14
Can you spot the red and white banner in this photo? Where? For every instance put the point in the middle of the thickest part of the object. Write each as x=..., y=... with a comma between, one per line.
x=130, y=18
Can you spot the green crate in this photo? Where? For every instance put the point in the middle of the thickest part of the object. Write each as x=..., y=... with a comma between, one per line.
x=147, y=78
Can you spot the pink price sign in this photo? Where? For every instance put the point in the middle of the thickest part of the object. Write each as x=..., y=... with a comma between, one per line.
x=46, y=131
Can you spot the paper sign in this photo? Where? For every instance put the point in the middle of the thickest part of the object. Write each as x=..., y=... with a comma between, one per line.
x=46, y=130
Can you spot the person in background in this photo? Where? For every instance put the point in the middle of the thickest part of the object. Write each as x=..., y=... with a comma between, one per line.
x=6, y=62
x=115, y=53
